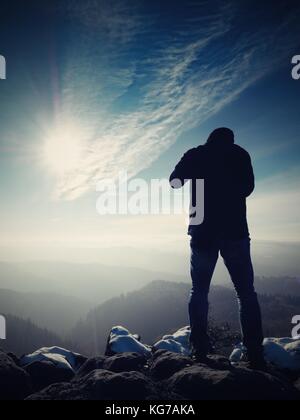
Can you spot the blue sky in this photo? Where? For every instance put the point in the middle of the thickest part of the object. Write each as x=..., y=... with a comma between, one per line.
x=135, y=84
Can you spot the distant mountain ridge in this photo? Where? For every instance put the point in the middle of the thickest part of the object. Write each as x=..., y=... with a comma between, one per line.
x=285, y=285
x=162, y=306
x=56, y=312
x=97, y=283
x=153, y=308
x=90, y=282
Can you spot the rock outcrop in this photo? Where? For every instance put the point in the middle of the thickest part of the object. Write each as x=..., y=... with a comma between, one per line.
x=149, y=374
x=15, y=383
x=169, y=376
x=101, y=385
x=44, y=373
x=165, y=364
x=202, y=382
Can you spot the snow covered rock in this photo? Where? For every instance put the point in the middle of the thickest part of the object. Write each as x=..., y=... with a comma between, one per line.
x=59, y=357
x=122, y=341
x=284, y=353
x=178, y=343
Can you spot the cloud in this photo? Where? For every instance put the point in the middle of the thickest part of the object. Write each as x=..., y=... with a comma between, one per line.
x=118, y=20
x=134, y=103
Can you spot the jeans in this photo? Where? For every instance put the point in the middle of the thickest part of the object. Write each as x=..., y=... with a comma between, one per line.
x=237, y=258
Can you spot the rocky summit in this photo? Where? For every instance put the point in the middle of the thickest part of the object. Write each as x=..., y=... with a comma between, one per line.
x=131, y=370
x=132, y=376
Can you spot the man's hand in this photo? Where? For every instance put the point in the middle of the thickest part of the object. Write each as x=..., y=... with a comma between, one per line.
x=182, y=173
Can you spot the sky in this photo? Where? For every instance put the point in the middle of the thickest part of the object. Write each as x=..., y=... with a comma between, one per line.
x=96, y=87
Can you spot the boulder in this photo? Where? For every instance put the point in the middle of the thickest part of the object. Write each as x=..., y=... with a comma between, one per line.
x=118, y=386
x=158, y=354
x=217, y=363
x=125, y=362
x=58, y=392
x=201, y=382
x=101, y=385
x=166, y=364
x=46, y=373
x=90, y=365
x=15, y=383
x=14, y=358
x=134, y=371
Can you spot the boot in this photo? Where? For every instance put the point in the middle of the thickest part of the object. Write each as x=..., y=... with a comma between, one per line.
x=257, y=360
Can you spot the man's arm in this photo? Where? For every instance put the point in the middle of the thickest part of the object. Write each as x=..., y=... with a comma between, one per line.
x=182, y=171
x=246, y=178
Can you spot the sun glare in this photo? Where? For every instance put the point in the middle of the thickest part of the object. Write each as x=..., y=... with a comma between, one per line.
x=63, y=149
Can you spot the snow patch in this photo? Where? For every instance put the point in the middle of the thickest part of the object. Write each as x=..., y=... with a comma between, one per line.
x=179, y=342
x=282, y=352
x=238, y=354
x=122, y=341
x=61, y=358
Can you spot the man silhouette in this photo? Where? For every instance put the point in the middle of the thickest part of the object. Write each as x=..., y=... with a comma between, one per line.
x=229, y=179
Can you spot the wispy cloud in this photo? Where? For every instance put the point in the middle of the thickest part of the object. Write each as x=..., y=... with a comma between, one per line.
x=182, y=78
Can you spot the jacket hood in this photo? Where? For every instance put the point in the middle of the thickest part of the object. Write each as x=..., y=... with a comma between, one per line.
x=221, y=137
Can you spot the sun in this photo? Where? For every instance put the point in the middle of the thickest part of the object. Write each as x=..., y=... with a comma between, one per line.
x=63, y=149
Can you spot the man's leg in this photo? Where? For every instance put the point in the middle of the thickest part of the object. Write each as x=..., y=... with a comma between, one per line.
x=237, y=257
x=203, y=263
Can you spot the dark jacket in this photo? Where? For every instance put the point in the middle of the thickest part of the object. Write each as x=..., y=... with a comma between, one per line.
x=229, y=179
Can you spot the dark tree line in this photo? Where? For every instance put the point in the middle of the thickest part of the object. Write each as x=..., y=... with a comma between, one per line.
x=24, y=337
x=156, y=310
